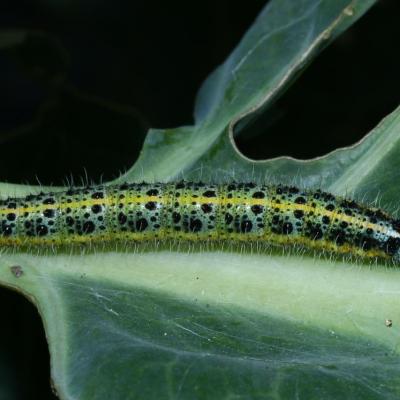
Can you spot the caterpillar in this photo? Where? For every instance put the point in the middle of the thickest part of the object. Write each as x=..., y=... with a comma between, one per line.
x=194, y=211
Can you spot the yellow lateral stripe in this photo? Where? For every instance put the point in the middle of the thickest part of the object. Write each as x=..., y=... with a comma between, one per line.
x=188, y=200
x=140, y=237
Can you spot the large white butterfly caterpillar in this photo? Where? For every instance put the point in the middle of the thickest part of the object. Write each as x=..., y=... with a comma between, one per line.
x=190, y=211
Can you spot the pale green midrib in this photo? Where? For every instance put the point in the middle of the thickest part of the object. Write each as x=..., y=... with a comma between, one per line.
x=262, y=284
x=17, y=190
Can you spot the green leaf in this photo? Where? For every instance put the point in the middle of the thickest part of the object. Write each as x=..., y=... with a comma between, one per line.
x=215, y=324
x=210, y=322
x=282, y=41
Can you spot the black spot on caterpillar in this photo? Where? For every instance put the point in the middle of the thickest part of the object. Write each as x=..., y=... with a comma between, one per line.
x=243, y=212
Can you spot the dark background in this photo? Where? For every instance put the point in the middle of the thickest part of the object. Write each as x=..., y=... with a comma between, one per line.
x=77, y=97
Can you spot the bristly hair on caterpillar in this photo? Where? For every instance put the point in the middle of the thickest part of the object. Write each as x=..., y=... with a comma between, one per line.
x=198, y=212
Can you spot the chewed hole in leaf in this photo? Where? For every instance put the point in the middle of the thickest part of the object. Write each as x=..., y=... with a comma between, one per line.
x=332, y=98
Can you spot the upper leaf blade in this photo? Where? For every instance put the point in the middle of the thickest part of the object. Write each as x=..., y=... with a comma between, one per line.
x=282, y=41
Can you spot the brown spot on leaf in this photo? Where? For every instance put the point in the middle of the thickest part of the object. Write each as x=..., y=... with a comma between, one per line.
x=17, y=271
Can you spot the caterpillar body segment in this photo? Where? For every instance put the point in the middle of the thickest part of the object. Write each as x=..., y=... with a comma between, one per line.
x=190, y=211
